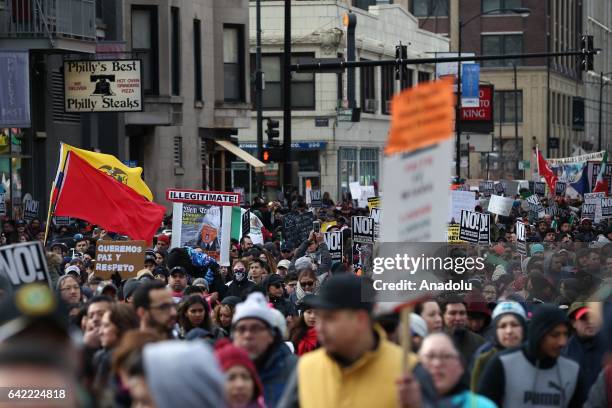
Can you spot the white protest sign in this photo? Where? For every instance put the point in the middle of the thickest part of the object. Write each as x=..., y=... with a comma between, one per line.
x=595, y=198
x=500, y=205
x=461, y=200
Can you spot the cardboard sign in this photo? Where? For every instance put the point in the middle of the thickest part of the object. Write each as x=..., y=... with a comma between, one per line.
x=452, y=234
x=461, y=200
x=486, y=187
x=485, y=229
x=334, y=243
x=30, y=209
x=560, y=188
x=537, y=187
x=521, y=238
x=246, y=222
x=24, y=263
x=606, y=207
x=500, y=205
x=123, y=257
x=315, y=198
x=297, y=227
x=362, y=229
x=469, y=228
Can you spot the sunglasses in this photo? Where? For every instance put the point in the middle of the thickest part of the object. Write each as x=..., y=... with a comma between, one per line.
x=307, y=284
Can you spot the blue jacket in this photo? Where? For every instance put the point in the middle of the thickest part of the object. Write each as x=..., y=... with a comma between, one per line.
x=588, y=353
x=274, y=369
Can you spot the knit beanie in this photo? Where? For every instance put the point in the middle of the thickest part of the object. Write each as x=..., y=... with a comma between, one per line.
x=230, y=356
x=187, y=366
x=255, y=307
x=304, y=262
x=545, y=318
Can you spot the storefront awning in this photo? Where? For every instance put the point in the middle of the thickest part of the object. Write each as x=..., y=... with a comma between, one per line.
x=232, y=148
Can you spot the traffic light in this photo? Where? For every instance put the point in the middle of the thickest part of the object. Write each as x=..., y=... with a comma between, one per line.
x=401, y=52
x=586, y=46
x=272, y=154
x=272, y=132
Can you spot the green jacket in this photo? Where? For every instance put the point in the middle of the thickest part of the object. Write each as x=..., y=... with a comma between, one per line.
x=479, y=365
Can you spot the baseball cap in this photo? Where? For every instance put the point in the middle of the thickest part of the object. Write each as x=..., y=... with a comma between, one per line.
x=164, y=238
x=286, y=247
x=73, y=269
x=536, y=248
x=343, y=291
x=149, y=258
x=577, y=310
x=178, y=269
x=129, y=287
x=284, y=264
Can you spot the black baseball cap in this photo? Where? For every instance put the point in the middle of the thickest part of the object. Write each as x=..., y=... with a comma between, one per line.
x=343, y=291
x=178, y=269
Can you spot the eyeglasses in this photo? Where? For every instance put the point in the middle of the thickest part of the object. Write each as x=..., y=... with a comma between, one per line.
x=307, y=284
x=164, y=307
x=68, y=288
x=443, y=358
x=255, y=329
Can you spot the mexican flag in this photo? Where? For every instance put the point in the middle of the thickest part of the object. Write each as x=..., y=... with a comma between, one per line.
x=601, y=185
x=256, y=225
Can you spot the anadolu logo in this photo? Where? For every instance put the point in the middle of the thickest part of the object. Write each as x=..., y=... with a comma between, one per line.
x=115, y=173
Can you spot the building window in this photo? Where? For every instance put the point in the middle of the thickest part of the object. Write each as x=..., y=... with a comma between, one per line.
x=499, y=45
x=489, y=5
x=504, y=105
x=364, y=4
x=175, y=40
x=145, y=44
x=302, y=84
x=367, y=89
x=387, y=81
x=197, y=60
x=357, y=165
x=423, y=76
x=178, y=151
x=426, y=8
x=233, y=63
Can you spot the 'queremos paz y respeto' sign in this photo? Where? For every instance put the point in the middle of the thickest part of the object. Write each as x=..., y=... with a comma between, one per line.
x=103, y=86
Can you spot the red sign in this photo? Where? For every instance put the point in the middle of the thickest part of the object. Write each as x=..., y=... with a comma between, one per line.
x=483, y=113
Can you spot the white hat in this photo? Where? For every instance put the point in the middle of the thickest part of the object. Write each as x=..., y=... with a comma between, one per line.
x=284, y=264
x=418, y=325
x=255, y=307
x=73, y=268
x=304, y=262
x=509, y=307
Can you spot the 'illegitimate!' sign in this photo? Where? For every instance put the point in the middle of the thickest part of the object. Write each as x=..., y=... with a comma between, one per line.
x=203, y=197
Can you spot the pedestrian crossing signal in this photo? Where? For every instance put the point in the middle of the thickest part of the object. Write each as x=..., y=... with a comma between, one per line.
x=272, y=154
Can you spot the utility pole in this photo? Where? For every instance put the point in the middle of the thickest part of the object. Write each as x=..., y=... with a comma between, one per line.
x=601, y=85
x=287, y=95
x=516, y=111
x=258, y=82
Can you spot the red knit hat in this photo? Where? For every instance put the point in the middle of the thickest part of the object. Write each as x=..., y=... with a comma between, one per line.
x=164, y=238
x=229, y=356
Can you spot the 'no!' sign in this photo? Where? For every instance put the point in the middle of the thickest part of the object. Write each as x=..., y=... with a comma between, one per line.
x=24, y=263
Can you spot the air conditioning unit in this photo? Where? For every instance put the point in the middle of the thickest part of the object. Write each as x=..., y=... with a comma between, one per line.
x=370, y=105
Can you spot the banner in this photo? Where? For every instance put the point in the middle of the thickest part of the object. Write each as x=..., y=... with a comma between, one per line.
x=334, y=243
x=315, y=198
x=577, y=159
x=460, y=200
x=485, y=229
x=24, y=263
x=362, y=229
x=593, y=171
x=123, y=257
x=486, y=187
x=521, y=238
x=297, y=227
x=15, y=89
x=103, y=86
x=469, y=228
x=560, y=188
x=469, y=85
x=500, y=205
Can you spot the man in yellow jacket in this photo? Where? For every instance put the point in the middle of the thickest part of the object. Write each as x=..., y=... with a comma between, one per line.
x=357, y=366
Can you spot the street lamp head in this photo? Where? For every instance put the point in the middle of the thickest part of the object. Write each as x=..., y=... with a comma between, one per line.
x=523, y=11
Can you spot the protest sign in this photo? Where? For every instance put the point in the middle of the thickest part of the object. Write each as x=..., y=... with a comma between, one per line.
x=535, y=206
x=123, y=257
x=30, y=209
x=461, y=200
x=469, y=228
x=297, y=227
x=521, y=238
x=452, y=234
x=366, y=192
x=240, y=191
x=486, y=187
x=485, y=229
x=220, y=198
x=560, y=188
x=588, y=210
x=500, y=205
x=355, y=190
x=594, y=198
x=362, y=229
x=315, y=198
x=61, y=221
x=246, y=222
x=375, y=215
x=551, y=210
x=537, y=187
x=373, y=202
x=24, y=263
x=2, y=204
x=500, y=188
x=325, y=226
x=606, y=207
x=334, y=243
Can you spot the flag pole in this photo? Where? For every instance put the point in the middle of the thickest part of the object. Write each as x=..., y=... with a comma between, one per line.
x=52, y=202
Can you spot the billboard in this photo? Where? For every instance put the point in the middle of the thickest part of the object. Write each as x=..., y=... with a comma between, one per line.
x=479, y=119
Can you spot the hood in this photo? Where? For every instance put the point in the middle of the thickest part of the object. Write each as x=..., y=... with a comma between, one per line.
x=189, y=367
x=545, y=318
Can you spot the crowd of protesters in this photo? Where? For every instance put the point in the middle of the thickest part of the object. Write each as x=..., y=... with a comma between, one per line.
x=284, y=326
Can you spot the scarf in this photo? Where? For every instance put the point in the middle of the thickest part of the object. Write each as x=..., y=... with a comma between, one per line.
x=308, y=343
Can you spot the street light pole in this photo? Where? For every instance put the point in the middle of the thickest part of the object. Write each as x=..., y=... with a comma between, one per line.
x=258, y=82
x=516, y=170
x=601, y=85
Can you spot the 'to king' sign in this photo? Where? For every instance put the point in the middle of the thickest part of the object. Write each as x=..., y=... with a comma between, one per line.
x=484, y=112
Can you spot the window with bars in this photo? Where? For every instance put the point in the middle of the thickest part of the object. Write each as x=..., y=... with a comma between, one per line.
x=387, y=81
x=178, y=151
x=504, y=105
x=499, y=44
x=424, y=76
x=367, y=88
x=357, y=165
